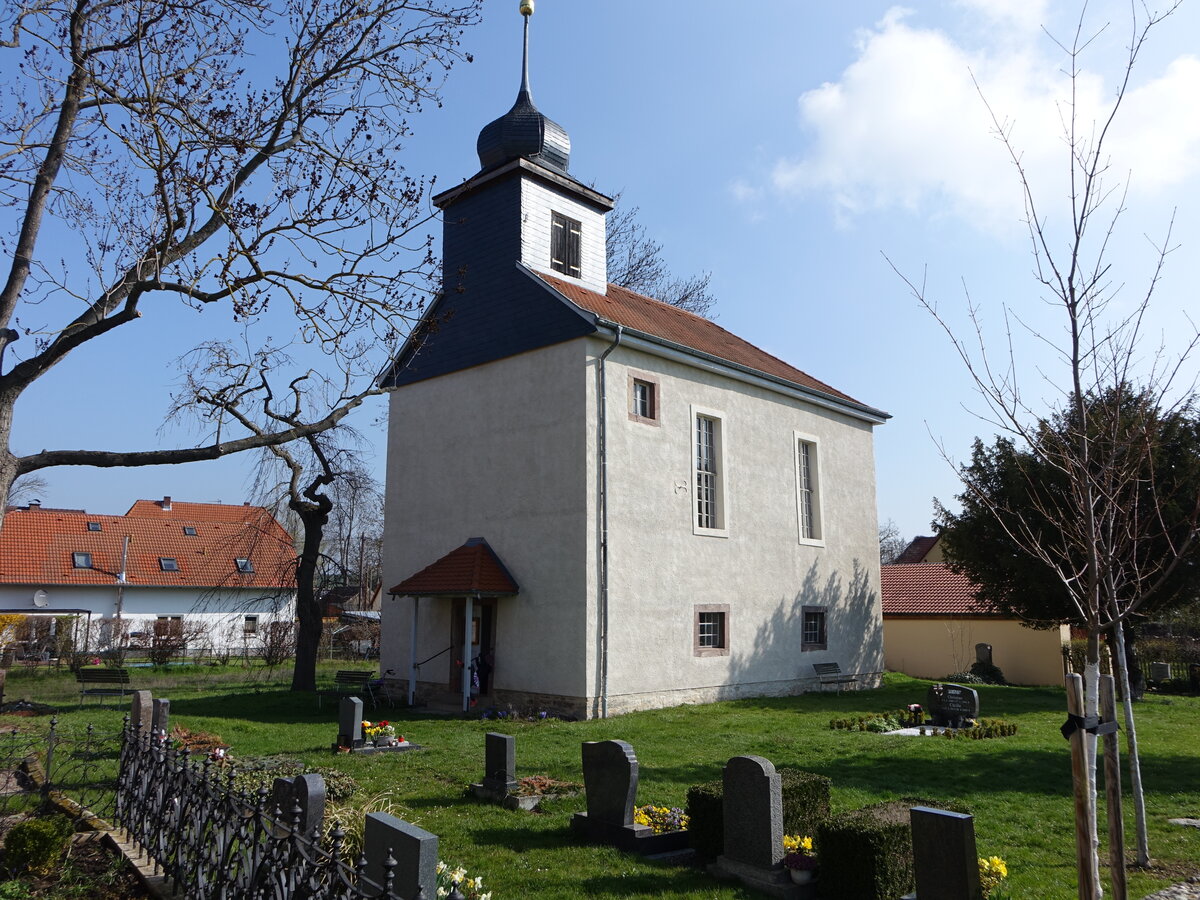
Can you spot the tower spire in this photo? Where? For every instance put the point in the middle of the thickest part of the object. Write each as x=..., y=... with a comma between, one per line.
x=523, y=132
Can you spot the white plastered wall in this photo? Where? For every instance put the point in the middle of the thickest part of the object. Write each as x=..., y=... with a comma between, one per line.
x=660, y=568
x=496, y=451
x=937, y=647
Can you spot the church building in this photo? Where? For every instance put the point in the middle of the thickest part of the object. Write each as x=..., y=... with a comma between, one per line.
x=598, y=502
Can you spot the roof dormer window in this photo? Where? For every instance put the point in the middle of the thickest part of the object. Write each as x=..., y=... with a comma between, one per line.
x=81, y=560
x=93, y=526
x=565, y=241
x=168, y=563
x=189, y=530
x=244, y=566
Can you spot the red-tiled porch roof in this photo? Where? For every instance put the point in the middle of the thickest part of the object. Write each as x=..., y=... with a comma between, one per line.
x=473, y=568
x=929, y=589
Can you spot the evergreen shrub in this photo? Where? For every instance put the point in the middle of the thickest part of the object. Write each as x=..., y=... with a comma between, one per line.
x=866, y=854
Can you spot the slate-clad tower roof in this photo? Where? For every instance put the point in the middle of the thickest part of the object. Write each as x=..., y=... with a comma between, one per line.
x=523, y=131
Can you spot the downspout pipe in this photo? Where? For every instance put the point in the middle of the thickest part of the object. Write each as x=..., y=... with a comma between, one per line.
x=602, y=434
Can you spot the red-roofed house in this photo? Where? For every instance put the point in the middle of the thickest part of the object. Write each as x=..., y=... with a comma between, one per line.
x=671, y=514
x=932, y=621
x=227, y=569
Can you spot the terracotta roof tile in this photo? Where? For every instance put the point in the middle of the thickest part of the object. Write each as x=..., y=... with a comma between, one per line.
x=37, y=546
x=929, y=589
x=474, y=568
x=687, y=329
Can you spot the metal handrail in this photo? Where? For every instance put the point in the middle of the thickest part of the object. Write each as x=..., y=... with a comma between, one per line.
x=435, y=656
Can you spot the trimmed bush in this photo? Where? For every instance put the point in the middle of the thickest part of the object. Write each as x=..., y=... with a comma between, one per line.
x=805, y=797
x=35, y=845
x=989, y=672
x=706, y=818
x=866, y=854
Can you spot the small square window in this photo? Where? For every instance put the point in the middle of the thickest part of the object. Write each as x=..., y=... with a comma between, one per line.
x=813, y=634
x=189, y=530
x=250, y=625
x=643, y=400
x=81, y=560
x=94, y=526
x=244, y=566
x=710, y=629
x=565, y=242
x=168, y=563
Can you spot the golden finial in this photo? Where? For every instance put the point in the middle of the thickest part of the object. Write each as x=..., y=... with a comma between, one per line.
x=527, y=7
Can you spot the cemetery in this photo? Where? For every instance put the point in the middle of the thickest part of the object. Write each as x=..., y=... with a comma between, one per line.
x=912, y=817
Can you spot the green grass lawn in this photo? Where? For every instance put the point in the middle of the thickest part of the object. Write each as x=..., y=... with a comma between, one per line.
x=1017, y=787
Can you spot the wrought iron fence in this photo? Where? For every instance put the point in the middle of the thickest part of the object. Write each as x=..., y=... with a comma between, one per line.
x=75, y=769
x=216, y=843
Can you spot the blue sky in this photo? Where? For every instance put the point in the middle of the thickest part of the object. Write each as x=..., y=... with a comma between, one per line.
x=787, y=148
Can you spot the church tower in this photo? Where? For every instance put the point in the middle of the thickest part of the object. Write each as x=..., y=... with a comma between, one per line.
x=522, y=212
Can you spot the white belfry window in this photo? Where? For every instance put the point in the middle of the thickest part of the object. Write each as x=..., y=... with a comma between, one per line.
x=808, y=498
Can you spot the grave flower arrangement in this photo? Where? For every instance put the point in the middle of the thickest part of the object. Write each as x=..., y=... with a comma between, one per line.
x=662, y=819
x=798, y=853
x=916, y=715
x=992, y=873
x=449, y=879
x=379, y=731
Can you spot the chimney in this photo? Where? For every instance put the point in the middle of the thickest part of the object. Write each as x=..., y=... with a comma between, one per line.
x=35, y=504
x=166, y=504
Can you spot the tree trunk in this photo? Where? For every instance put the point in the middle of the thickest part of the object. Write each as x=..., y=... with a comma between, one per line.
x=1133, y=664
x=1120, y=660
x=308, y=610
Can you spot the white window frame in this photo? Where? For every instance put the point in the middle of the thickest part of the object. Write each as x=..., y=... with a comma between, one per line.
x=717, y=482
x=699, y=648
x=810, y=515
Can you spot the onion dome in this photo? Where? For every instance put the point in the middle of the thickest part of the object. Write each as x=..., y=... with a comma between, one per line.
x=523, y=131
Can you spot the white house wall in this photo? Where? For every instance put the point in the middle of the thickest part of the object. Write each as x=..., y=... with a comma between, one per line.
x=496, y=451
x=660, y=568
x=222, y=613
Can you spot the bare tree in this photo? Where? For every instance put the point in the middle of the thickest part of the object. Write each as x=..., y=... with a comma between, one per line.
x=185, y=176
x=26, y=488
x=636, y=262
x=1105, y=517
x=891, y=542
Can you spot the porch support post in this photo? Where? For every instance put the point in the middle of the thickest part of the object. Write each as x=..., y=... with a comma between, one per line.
x=412, y=656
x=466, y=669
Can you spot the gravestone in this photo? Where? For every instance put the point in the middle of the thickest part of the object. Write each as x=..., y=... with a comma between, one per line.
x=304, y=791
x=1160, y=671
x=950, y=705
x=414, y=849
x=610, y=782
x=945, y=862
x=160, y=718
x=983, y=654
x=350, y=718
x=3, y=678
x=499, y=767
x=753, y=811
x=141, y=712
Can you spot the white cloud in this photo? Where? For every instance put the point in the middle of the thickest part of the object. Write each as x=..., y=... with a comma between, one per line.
x=905, y=126
x=1022, y=15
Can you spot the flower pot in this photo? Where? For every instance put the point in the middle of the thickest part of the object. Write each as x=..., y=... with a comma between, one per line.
x=803, y=876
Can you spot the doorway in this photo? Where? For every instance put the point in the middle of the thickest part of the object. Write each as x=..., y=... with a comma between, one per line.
x=480, y=657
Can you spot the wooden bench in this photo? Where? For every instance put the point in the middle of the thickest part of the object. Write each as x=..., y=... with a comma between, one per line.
x=348, y=683
x=831, y=673
x=102, y=683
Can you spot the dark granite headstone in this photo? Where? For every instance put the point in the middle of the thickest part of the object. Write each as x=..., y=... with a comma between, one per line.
x=610, y=781
x=950, y=705
x=414, y=849
x=1160, y=671
x=304, y=791
x=945, y=861
x=753, y=808
x=350, y=732
x=983, y=654
x=160, y=718
x=500, y=762
x=3, y=678
x=141, y=711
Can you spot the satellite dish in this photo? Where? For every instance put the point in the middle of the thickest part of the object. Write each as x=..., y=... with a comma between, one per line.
x=40, y=598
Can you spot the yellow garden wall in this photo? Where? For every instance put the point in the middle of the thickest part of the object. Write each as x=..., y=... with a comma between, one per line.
x=935, y=647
